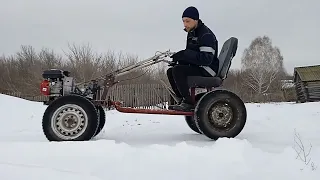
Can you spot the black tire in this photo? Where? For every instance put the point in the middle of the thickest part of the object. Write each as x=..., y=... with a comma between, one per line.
x=102, y=119
x=190, y=119
x=79, y=108
x=191, y=123
x=230, y=106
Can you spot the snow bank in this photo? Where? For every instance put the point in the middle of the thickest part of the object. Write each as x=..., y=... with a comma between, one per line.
x=134, y=146
x=226, y=159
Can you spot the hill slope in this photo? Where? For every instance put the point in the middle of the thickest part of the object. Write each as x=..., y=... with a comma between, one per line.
x=134, y=146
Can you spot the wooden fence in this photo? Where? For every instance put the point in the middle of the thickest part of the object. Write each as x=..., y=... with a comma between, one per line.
x=132, y=95
x=139, y=95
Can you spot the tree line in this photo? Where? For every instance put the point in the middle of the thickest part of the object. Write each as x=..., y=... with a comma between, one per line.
x=258, y=79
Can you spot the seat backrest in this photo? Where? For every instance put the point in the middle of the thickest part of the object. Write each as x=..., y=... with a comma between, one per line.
x=228, y=51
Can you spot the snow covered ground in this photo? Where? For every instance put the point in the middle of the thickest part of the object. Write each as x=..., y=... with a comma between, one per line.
x=160, y=147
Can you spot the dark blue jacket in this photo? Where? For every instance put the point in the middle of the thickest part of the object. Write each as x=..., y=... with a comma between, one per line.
x=202, y=48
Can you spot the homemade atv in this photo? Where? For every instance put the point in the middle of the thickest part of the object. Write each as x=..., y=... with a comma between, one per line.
x=75, y=111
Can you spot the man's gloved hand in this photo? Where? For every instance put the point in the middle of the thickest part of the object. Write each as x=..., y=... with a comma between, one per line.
x=177, y=56
x=172, y=63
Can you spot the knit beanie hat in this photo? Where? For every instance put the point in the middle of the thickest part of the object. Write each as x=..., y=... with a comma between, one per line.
x=191, y=12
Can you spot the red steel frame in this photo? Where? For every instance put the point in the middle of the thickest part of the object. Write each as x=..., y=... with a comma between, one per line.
x=149, y=111
x=118, y=107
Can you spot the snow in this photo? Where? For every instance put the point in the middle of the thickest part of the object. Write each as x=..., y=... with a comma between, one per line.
x=136, y=146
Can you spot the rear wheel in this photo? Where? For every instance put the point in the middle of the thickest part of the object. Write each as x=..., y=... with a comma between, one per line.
x=220, y=113
x=70, y=118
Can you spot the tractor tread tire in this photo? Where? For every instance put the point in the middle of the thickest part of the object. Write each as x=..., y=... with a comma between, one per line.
x=202, y=117
x=92, y=122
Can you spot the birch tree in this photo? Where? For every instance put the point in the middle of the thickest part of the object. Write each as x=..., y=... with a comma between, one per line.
x=261, y=64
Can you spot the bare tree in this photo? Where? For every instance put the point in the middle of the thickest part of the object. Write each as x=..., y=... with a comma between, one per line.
x=22, y=71
x=50, y=59
x=261, y=65
x=83, y=62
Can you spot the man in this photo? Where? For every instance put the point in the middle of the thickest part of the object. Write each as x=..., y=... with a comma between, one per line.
x=198, y=59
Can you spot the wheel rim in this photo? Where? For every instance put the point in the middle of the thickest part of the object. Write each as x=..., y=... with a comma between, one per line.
x=220, y=115
x=69, y=121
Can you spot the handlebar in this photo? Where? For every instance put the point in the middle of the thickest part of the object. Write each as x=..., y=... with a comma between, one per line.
x=162, y=55
x=158, y=57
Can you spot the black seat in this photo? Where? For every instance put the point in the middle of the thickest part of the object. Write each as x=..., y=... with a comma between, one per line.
x=228, y=51
x=204, y=82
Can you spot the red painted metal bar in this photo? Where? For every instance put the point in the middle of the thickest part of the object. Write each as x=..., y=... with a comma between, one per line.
x=150, y=111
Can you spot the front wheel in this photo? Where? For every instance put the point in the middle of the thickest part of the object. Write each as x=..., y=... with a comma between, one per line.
x=102, y=119
x=70, y=118
x=220, y=113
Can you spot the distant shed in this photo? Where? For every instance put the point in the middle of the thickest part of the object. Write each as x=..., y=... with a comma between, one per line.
x=307, y=83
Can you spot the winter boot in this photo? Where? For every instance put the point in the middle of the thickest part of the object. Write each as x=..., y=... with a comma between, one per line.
x=185, y=105
x=177, y=104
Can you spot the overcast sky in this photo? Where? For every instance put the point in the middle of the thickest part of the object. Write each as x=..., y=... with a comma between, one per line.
x=142, y=27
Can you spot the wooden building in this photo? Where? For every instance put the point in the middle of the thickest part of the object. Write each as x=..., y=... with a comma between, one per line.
x=307, y=83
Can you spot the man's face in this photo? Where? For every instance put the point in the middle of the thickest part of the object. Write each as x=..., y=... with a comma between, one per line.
x=189, y=23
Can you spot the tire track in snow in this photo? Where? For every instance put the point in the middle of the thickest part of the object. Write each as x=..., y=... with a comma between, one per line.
x=50, y=168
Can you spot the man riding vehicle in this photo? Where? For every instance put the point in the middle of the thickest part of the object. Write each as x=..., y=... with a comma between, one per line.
x=198, y=59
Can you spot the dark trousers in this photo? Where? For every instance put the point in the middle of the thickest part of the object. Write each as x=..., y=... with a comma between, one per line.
x=178, y=75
